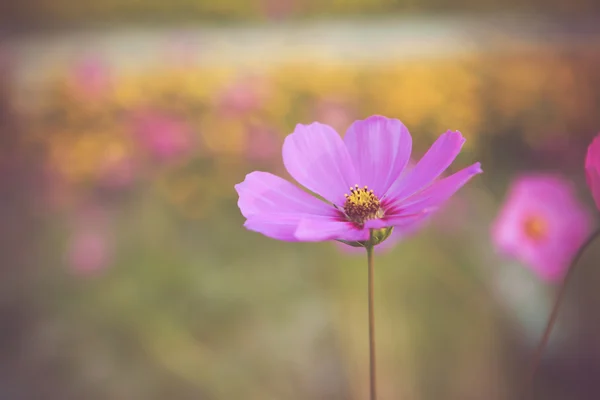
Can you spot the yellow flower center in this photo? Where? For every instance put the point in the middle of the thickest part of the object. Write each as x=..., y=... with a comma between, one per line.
x=536, y=227
x=362, y=205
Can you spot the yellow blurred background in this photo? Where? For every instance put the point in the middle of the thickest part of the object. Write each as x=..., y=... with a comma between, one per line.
x=127, y=274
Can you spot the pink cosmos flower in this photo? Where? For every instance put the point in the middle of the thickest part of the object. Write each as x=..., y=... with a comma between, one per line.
x=91, y=78
x=542, y=224
x=592, y=169
x=334, y=112
x=163, y=136
x=358, y=177
x=243, y=96
x=89, y=251
x=90, y=247
x=397, y=234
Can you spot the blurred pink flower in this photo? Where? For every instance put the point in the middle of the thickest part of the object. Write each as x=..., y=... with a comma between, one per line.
x=90, y=247
x=89, y=251
x=336, y=113
x=542, y=224
x=592, y=169
x=262, y=143
x=91, y=78
x=163, y=136
x=243, y=96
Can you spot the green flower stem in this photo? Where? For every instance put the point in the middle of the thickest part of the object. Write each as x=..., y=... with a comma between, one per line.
x=537, y=355
x=372, y=371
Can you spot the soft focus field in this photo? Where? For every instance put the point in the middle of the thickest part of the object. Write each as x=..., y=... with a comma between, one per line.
x=127, y=274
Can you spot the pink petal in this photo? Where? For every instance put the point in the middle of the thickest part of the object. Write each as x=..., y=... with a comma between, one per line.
x=380, y=148
x=265, y=193
x=90, y=250
x=274, y=206
x=434, y=162
x=280, y=226
x=436, y=194
x=321, y=229
x=317, y=158
x=592, y=169
x=407, y=221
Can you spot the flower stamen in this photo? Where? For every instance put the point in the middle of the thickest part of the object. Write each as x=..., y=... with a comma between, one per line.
x=536, y=228
x=362, y=205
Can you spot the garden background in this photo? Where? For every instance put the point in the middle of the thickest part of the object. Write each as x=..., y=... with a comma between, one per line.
x=127, y=274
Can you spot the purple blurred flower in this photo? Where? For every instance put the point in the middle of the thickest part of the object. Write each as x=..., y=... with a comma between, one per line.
x=243, y=96
x=90, y=247
x=542, y=224
x=165, y=137
x=336, y=113
x=359, y=179
x=592, y=169
x=91, y=78
x=89, y=251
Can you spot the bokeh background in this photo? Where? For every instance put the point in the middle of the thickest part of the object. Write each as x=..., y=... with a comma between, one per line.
x=127, y=274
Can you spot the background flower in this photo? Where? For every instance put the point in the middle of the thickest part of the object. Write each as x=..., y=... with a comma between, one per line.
x=592, y=169
x=90, y=246
x=542, y=224
x=165, y=137
x=91, y=79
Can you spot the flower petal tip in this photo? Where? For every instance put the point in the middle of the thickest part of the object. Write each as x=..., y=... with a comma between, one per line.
x=308, y=127
x=452, y=139
x=456, y=135
x=239, y=187
x=377, y=117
